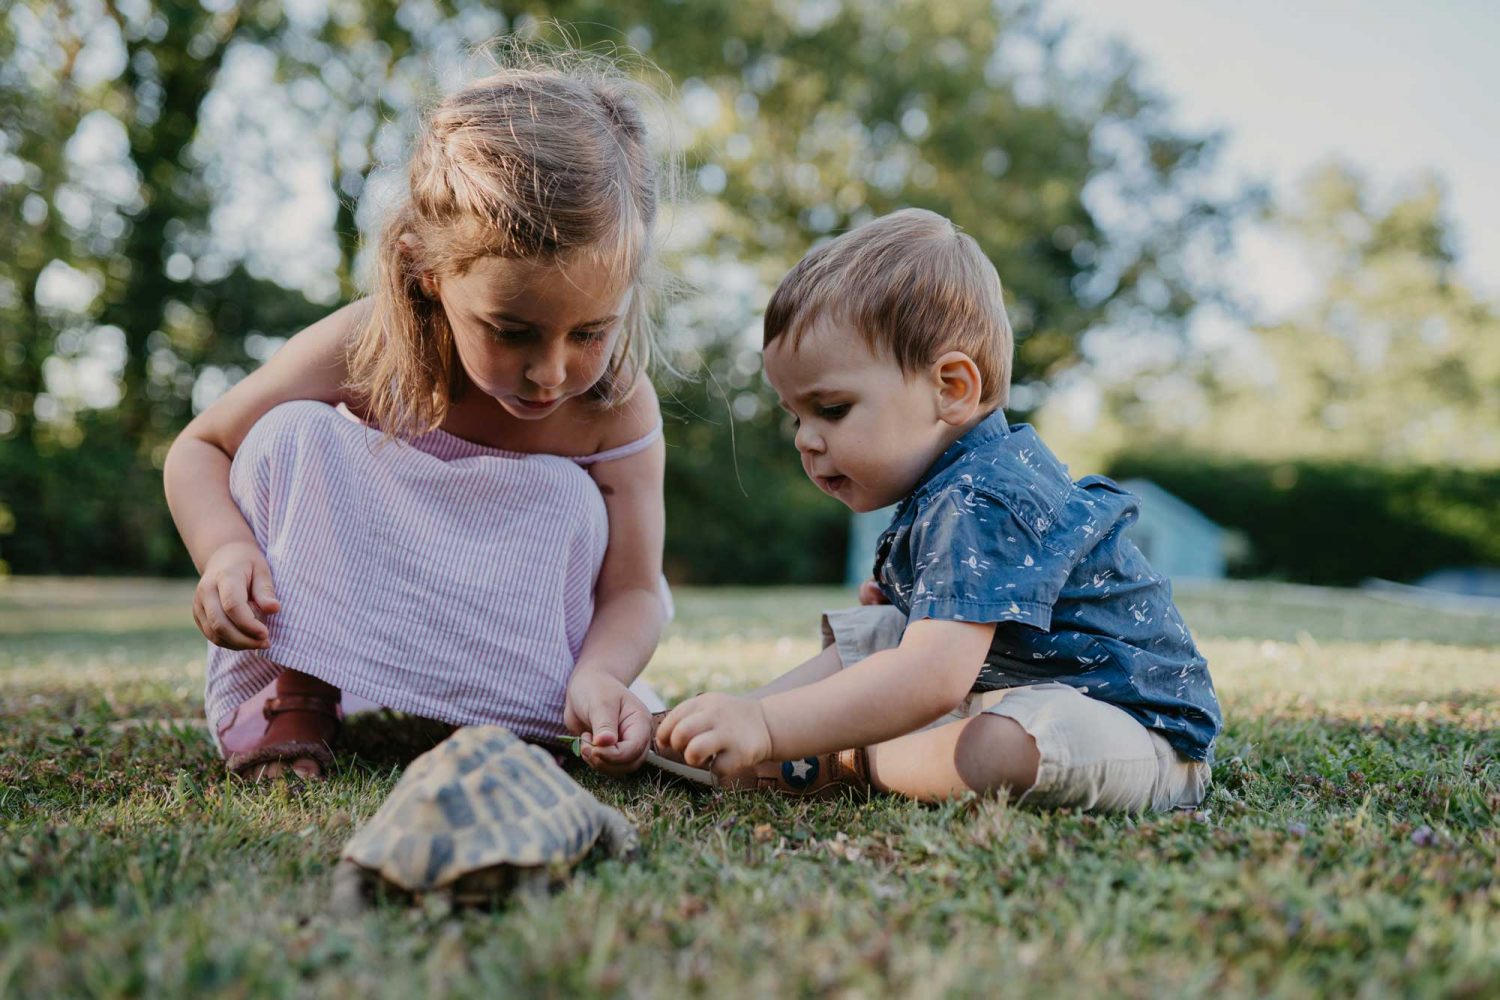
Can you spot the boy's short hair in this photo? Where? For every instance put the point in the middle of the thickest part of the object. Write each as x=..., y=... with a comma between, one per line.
x=913, y=285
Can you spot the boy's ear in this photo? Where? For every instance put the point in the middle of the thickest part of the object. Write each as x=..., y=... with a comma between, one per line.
x=959, y=386
x=411, y=249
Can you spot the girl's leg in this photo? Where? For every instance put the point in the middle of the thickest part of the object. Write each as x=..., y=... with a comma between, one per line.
x=986, y=753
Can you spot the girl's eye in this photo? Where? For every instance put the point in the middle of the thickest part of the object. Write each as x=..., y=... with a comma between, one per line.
x=589, y=336
x=510, y=335
x=836, y=412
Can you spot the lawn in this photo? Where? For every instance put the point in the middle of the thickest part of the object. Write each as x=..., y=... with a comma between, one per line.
x=1351, y=844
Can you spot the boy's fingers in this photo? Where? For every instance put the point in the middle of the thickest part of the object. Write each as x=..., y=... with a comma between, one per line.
x=702, y=748
x=668, y=724
x=687, y=730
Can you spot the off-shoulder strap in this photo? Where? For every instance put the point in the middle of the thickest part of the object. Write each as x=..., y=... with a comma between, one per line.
x=625, y=450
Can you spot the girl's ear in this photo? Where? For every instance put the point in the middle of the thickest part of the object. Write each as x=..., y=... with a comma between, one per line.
x=959, y=387
x=411, y=250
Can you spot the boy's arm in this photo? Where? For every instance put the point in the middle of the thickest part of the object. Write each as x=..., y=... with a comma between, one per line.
x=891, y=693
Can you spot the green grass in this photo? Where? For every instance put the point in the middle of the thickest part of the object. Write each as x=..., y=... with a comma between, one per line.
x=1349, y=847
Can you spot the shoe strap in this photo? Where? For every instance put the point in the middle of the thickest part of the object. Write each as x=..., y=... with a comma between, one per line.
x=300, y=703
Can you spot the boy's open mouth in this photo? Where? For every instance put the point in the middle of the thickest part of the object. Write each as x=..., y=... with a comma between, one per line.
x=832, y=483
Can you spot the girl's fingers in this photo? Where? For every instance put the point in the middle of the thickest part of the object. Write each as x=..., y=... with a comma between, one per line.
x=261, y=590
x=222, y=632
x=235, y=602
x=635, y=731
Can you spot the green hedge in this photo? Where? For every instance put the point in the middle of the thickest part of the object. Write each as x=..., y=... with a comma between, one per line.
x=1337, y=523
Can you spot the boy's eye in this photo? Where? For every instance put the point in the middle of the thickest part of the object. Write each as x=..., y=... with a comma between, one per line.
x=835, y=412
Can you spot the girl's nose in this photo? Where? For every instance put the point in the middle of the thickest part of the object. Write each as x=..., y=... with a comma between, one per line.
x=548, y=370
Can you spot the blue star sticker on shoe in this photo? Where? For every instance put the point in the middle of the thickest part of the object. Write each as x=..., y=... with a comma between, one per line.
x=800, y=773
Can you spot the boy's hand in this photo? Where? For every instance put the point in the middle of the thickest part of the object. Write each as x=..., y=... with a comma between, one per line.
x=234, y=596
x=720, y=731
x=614, y=723
x=870, y=593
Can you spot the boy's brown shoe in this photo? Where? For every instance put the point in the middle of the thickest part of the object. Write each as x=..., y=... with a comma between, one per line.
x=822, y=776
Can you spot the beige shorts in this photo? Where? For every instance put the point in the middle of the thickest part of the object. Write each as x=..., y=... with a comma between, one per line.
x=1093, y=755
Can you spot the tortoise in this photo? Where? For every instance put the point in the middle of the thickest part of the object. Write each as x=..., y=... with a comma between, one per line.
x=478, y=816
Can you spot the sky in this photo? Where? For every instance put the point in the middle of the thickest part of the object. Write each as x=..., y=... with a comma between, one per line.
x=1396, y=88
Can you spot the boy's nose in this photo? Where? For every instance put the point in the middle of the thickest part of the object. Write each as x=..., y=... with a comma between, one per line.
x=807, y=441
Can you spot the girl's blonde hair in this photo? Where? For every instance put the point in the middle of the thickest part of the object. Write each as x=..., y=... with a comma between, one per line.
x=546, y=160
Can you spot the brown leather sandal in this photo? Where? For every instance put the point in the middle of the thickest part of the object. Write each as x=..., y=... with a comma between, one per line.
x=246, y=763
x=823, y=776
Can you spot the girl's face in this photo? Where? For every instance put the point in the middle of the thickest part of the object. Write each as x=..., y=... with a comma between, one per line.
x=531, y=334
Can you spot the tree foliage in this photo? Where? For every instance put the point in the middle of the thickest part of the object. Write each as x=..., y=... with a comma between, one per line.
x=126, y=301
x=1393, y=361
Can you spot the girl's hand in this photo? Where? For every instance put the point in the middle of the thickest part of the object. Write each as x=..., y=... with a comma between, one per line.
x=615, y=725
x=234, y=596
x=719, y=731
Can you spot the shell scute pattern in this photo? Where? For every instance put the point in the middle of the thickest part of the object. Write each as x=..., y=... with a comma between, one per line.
x=482, y=802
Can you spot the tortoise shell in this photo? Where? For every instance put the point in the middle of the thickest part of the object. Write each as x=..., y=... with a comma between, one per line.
x=481, y=801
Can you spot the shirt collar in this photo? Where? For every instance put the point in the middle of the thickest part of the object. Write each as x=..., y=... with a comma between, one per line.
x=992, y=428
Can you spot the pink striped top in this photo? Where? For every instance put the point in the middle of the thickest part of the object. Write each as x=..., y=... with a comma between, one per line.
x=437, y=577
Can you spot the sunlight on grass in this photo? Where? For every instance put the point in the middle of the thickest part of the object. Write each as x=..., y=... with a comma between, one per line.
x=1349, y=845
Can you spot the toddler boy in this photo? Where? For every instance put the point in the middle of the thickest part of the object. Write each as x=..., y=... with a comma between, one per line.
x=1021, y=642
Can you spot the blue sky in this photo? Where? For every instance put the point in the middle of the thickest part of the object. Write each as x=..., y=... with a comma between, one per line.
x=1395, y=88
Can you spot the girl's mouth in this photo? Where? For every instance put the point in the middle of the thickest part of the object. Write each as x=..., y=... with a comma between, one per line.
x=536, y=406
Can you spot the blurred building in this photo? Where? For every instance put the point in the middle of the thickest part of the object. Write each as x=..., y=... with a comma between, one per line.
x=1176, y=538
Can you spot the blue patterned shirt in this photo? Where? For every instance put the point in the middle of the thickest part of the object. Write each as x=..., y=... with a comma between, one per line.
x=996, y=531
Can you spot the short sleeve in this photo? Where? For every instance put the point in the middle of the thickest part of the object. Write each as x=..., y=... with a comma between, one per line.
x=974, y=560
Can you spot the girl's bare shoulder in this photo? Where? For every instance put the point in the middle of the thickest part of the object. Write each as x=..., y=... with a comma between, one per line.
x=630, y=419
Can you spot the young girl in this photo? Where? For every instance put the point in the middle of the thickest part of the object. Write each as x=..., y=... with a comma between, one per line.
x=500, y=559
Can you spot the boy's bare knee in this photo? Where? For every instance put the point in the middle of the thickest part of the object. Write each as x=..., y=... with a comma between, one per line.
x=995, y=753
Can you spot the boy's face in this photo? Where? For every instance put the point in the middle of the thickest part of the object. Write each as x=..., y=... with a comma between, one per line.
x=865, y=429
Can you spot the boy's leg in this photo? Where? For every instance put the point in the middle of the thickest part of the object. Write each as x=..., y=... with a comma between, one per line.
x=986, y=753
x=1051, y=744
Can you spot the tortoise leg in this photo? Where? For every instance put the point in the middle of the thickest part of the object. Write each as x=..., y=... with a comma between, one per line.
x=534, y=883
x=348, y=896
x=619, y=836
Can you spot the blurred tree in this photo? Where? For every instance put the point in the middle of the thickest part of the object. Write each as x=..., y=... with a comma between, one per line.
x=101, y=103
x=800, y=120
x=806, y=119
x=1393, y=362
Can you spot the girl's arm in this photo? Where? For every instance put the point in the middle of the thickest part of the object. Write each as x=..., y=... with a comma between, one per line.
x=628, y=609
x=236, y=581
